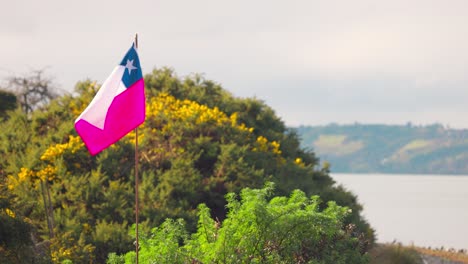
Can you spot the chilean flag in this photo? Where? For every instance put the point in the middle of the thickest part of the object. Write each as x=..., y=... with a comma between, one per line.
x=117, y=108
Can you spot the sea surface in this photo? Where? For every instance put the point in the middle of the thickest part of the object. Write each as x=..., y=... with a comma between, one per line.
x=424, y=210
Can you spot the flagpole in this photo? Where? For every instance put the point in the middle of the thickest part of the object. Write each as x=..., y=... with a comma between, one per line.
x=136, y=179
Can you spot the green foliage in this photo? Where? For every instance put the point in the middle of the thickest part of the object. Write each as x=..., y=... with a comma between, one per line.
x=15, y=239
x=198, y=144
x=8, y=102
x=113, y=258
x=257, y=230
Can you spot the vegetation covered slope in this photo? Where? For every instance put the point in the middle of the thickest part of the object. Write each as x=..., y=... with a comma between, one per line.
x=198, y=143
x=389, y=148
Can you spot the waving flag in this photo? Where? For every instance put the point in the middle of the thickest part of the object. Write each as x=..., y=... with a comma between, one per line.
x=117, y=108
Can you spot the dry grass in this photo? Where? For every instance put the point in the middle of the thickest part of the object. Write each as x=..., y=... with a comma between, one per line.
x=394, y=254
x=451, y=254
x=337, y=145
x=397, y=253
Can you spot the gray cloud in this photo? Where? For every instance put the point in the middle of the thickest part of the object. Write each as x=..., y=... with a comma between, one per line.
x=313, y=61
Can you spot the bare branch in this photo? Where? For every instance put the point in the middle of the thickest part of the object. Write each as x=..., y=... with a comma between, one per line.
x=33, y=90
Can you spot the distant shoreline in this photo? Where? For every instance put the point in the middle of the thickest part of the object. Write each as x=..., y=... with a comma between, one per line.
x=388, y=149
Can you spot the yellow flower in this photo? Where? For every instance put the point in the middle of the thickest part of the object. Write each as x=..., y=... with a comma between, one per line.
x=189, y=112
x=24, y=174
x=276, y=147
x=47, y=174
x=10, y=213
x=73, y=145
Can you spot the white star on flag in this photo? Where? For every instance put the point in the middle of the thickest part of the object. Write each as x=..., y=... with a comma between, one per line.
x=130, y=66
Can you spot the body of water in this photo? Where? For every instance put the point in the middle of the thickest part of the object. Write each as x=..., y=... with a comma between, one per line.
x=425, y=210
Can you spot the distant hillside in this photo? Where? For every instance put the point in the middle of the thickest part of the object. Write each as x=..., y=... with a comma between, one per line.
x=362, y=148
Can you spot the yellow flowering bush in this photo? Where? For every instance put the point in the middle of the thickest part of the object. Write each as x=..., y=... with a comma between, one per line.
x=191, y=112
x=262, y=144
x=73, y=145
x=299, y=162
x=49, y=172
x=66, y=247
x=9, y=212
x=28, y=176
x=25, y=175
x=165, y=109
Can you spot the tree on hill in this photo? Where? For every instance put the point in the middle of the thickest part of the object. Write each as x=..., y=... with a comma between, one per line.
x=198, y=144
x=33, y=90
x=8, y=102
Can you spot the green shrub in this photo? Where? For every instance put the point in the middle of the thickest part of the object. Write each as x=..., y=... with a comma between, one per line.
x=256, y=230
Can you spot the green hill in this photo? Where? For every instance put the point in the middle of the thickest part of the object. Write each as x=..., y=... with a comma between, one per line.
x=360, y=148
x=198, y=144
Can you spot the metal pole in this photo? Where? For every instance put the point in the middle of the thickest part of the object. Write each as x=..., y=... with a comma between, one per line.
x=136, y=179
x=136, y=193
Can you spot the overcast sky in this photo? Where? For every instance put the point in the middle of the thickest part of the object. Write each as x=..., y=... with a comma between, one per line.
x=314, y=62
